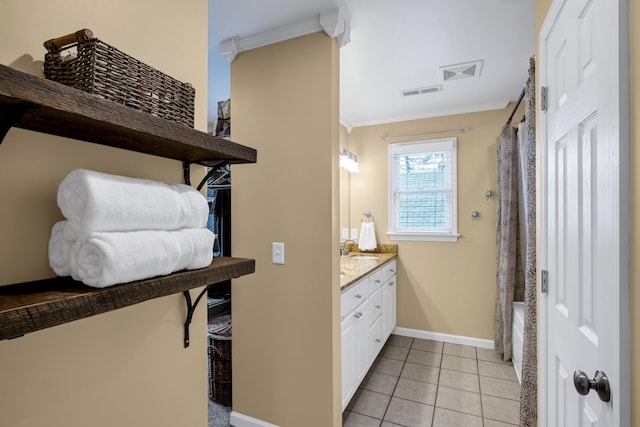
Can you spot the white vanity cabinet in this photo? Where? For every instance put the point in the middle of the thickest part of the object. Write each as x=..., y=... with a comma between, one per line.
x=389, y=297
x=354, y=328
x=375, y=339
x=365, y=327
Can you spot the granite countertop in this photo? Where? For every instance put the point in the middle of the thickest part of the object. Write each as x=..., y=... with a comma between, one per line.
x=358, y=264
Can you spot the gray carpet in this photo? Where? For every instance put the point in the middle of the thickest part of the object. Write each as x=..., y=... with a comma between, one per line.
x=218, y=415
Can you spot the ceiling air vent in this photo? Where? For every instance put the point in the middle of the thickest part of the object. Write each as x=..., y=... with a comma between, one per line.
x=421, y=90
x=465, y=70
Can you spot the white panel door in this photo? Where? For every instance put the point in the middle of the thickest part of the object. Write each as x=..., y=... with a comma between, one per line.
x=584, y=213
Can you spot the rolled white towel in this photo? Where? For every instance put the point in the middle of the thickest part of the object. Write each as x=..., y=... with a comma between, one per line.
x=108, y=258
x=95, y=201
x=60, y=249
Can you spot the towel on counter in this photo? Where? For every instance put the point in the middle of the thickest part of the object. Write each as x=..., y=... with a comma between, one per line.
x=367, y=240
x=103, y=259
x=95, y=201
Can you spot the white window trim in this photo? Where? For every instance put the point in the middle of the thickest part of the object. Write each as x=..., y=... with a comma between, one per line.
x=425, y=236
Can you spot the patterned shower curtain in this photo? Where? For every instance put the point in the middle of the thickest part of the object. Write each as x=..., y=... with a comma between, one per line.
x=529, y=386
x=506, y=238
x=507, y=243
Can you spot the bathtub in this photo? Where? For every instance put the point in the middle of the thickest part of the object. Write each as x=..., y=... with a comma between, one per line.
x=517, y=338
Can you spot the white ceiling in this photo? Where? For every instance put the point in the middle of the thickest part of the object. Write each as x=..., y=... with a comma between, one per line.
x=398, y=45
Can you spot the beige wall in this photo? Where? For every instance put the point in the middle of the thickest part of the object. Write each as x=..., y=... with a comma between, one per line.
x=125, y=367
x=542, y=7
x=442, y=287
x=286, y=334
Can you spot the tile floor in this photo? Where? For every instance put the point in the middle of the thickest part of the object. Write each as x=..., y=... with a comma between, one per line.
x=416, y=382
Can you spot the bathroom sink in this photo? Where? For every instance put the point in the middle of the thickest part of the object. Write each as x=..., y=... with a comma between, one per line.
x=363, y=257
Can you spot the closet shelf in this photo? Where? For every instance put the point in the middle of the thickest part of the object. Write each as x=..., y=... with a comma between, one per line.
x=34, y=103
x=32, y=306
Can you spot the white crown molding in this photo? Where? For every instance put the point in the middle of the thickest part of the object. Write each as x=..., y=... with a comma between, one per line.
x=450, y=112
x=331, y=22
x=346, y=123
x=228, y=49
x=345, y=37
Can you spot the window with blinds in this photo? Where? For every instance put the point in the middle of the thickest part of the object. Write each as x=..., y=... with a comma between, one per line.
x=423, y=196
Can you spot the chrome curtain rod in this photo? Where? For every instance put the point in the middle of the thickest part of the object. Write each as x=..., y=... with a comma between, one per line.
x=385, y=137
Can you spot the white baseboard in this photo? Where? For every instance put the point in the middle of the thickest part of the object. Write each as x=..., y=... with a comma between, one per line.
x=237, y=419
x=436, y=336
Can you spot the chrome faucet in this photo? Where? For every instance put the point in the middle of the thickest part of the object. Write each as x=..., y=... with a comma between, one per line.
x=344, y=249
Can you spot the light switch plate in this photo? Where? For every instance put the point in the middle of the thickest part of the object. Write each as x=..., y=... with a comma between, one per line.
x=354, y=233
x=345, y=233
x=277, y=253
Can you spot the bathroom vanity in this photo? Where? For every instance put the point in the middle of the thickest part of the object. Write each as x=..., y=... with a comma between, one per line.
x=368, y=314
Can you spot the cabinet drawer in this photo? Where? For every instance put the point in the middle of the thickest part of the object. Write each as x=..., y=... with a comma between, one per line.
x=388, y=270
x=375, y=306
x=375, y=281
x=375, y=340
x=353, y=297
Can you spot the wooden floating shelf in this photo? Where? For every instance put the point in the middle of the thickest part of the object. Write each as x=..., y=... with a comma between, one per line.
x=32, y=306
x=34, y=103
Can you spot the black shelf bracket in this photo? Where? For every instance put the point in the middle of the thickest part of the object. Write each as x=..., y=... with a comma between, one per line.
x=212, y=171
x=191, y=308
x=10, y=115
x=186, y=170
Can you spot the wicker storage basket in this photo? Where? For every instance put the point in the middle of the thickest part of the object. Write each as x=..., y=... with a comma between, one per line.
x=220, y=365
x=83, y=62
x=220, y=392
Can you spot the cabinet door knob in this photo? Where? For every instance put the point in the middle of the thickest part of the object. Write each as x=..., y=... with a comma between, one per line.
x=378, y=340
x=358, y=296
x=392, y=283
x=392, y=270
x=377, y=280
x=377, y=306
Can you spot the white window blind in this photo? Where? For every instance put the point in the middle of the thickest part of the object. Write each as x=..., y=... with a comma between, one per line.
x=422, y=185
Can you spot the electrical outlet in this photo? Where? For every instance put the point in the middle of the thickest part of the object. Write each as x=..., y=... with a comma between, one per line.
x=354, y=233
x=277, y=253
x=345, y=234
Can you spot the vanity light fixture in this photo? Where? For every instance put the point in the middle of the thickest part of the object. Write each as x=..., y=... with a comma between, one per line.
x=349, y=161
